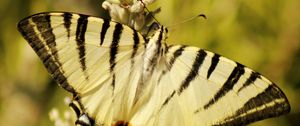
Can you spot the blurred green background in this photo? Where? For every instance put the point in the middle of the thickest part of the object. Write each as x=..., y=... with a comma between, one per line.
x=263, y=35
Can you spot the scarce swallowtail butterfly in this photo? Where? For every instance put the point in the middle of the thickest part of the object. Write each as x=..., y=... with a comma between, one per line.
x=120, y=78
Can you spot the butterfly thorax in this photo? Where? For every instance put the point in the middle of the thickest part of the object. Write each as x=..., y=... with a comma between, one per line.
x=151, y=57
x=154, y=51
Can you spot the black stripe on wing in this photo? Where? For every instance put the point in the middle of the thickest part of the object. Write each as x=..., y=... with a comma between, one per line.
x=168, y=99
x=114, y=49
x=80, y=39
x=194, y=71
x=114, y=45
x=76, y=109
x=234, y=77
x=250, y=80
x=136, y=41
x=214, y=61
x=67, y=22
x=176, y=54
x=104, y=28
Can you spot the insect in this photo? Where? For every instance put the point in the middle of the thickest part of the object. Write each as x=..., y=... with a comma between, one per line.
x=120, y=78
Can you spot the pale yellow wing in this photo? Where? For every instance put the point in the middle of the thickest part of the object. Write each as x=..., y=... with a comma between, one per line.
x=97, y=60
x=195, y=87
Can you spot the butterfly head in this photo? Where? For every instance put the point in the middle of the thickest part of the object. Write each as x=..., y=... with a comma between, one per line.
x=156, y=29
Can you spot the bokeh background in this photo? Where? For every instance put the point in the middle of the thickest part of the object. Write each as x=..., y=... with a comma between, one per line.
x=262, y=34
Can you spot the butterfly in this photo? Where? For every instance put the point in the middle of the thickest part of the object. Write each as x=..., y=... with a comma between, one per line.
x=120, y=78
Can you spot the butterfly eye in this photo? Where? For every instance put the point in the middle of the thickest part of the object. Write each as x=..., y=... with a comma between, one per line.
x=155, y=26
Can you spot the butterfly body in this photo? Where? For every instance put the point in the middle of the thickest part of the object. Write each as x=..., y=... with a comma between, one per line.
x=117, y=77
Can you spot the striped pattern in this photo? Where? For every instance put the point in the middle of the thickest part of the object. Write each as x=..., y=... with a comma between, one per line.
x=80, y=39
x=117, y=77
x=214, y=61
x=229, y=93
x=114, y=50
x=194, y=71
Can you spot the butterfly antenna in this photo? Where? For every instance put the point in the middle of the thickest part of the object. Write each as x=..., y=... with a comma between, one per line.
x=149, y=12
x=189, y=19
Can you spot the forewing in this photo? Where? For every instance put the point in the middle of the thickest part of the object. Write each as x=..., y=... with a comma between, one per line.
x=95, y=59
x=203, y=88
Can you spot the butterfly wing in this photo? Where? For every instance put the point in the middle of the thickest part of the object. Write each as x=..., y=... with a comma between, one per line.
x=100, y=62
x=199, y=87
x=95, y=59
